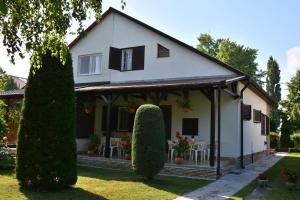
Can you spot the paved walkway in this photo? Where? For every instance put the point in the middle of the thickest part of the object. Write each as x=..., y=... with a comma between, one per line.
x=230, y=184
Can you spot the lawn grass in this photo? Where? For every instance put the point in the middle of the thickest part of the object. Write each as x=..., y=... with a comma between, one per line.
x=279, y=190
x=104, y=184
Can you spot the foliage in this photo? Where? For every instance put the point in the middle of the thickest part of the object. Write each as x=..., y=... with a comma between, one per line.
x=6, y=81
x=46, y=153
x=181, y=145
x=95, y=139
x=184, y=102
x=274, y=140
x=296, y=139
x=25, y=23
x=148, y=141
x=294, y=150
x=286, y=131
x=7, y=160
x=237, y=55
x=125, y=143
x=288, y=175
x=274, y=90
x=292, y=105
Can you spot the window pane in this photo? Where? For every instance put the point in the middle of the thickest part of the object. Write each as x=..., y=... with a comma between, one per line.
x=97, y=64
x=84, y=65
x=190, y=126
x=127, y=59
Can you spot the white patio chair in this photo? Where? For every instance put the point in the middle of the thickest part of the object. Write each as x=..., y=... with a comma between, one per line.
x=170, y=150
x=102, y=146
x=208, y=149
x=199, y=147
x=114, y=144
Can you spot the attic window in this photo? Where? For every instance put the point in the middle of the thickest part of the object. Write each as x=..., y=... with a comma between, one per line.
x=162, y=51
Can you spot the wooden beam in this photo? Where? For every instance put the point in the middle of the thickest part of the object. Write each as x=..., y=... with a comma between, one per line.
x=207, y=93
x=234, y=95
x=157, y=97
x=109, y=100
x=176, y=93
x=212, y=129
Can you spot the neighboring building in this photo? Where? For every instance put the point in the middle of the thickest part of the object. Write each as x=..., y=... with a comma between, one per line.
x=122, y=63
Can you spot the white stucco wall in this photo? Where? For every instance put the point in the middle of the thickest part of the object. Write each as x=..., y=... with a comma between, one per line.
x=200, y=110
x=253, y=140
x=119, y=32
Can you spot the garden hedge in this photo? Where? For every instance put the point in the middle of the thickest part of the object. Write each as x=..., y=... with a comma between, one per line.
x=148, y=142
x=294, y=150
x=46, y=149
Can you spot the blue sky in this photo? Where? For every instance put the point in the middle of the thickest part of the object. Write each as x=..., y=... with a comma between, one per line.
x=271, y=26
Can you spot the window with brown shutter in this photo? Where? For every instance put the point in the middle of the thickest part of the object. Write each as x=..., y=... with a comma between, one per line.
x=190, y=126
x=115, y=56
x=246, y=112
x=267, y=125
x=256, y=116
x=263, y=124
x=162, y=51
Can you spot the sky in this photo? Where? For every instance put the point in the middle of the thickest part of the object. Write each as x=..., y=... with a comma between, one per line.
x=271, y=26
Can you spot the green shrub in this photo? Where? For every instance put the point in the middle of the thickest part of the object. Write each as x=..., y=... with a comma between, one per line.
x=95, y=139
x=274, y=140
x=46, y=149
x=7, y=161
x=148, y=141
x=296, y=139
x=294, y=150
x=3, y=124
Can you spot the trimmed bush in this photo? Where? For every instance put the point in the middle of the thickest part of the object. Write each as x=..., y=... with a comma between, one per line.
x=148, y=141
x=274, y=140
x=296, y=139
x=294, y=150
x=7, y=160
x=46, y=149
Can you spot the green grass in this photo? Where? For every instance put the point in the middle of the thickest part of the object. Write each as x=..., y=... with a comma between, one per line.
x=279, y=190
x=104, y=184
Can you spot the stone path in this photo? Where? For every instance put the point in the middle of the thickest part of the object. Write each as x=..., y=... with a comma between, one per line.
x=230, y=184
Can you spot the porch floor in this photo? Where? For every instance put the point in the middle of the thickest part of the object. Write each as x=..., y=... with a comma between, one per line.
x=188, y=169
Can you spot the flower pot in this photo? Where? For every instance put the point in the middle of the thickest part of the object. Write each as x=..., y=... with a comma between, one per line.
x=127, y=156
x=262, y=182
x=185, y=109
x=290, y=185
x=91, y=153
x=178, y=160
x=124, y=143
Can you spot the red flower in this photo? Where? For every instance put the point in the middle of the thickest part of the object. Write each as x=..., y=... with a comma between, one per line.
x=177, y=133
x=174, y=142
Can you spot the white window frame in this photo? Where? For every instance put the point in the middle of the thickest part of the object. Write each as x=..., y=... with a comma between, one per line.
x=90, y=65
x=128, y=63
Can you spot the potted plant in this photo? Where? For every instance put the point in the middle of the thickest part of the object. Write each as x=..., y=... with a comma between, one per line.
x=290, y=178
x=184, y=103
x=181, y=145
x=262, y=179
x=126, y=145
x=94, y=144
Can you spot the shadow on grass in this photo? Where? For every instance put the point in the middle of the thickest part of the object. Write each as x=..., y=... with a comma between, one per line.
x=71, y=193
x=7, y=172
x=170, y=184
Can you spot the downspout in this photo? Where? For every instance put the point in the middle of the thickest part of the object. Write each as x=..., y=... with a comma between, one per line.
x=242, y=122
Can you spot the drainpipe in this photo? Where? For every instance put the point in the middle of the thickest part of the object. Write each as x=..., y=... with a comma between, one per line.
x=242, y=122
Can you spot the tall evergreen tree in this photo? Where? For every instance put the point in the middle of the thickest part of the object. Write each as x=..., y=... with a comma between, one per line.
x=274, y=90
x=46, y=149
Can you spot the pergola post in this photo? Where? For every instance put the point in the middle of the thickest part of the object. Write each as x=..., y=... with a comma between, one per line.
x=212, y=129
x=219, y=133
x=109, y=100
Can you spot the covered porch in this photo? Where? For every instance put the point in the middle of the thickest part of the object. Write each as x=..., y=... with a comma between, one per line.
x=112, y=108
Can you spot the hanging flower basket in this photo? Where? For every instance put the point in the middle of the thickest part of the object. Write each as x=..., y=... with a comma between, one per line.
x=184, y=103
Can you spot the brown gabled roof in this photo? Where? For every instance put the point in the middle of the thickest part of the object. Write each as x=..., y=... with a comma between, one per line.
x=112, y=10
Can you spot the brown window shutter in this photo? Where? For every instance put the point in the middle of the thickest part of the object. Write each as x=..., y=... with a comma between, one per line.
x=246, y=112
x=138, y=58
x=115, y=56
x=267, y=125
x=263, y=124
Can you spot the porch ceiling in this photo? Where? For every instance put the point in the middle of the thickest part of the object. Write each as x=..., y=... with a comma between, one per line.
x=164, y=84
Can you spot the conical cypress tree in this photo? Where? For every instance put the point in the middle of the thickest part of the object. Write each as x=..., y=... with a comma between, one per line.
x=148, y=141
x=46, y=149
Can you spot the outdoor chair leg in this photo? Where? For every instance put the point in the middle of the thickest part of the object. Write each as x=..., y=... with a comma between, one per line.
x=196, y=156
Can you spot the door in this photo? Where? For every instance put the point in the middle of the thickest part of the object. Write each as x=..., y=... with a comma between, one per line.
x=167, y=115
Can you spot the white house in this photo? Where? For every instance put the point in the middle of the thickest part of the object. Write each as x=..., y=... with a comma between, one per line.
x=125, y=60
x=122, y=63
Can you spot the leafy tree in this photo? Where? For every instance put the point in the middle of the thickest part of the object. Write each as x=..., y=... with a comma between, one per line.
x=25, y=23
x=237, y=55
x=46, y=153
x=292, y=104
x=148, y=141
x=274, y=90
